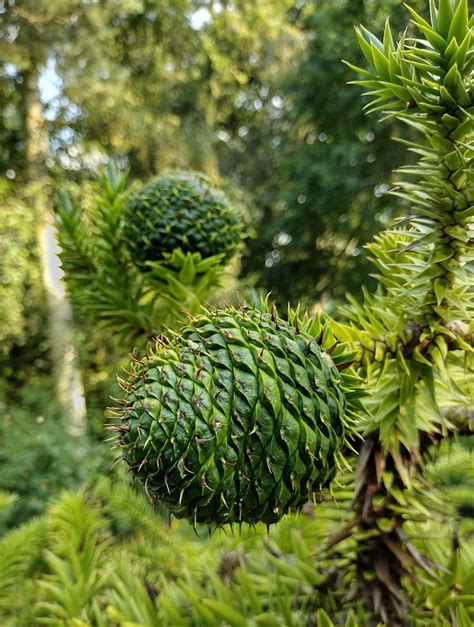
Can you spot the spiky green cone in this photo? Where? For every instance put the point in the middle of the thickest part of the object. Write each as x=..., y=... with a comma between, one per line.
x=239, y=418
x=180, y=210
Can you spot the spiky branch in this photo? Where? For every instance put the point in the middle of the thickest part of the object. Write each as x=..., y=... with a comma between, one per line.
x=414, y=336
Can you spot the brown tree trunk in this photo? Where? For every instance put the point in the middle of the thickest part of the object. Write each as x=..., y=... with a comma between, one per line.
x=70, y=391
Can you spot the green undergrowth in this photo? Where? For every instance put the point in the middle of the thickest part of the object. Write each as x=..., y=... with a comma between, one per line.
x=103, y=557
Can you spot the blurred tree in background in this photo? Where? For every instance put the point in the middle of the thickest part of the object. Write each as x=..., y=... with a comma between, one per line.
x=250, y=91
x=148, y=81
x=333, y=164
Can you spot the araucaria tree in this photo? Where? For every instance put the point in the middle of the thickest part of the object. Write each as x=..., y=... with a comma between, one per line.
x=414, y=336
x=242, y=416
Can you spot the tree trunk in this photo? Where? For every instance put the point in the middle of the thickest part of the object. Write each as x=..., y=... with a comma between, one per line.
x=70, y=391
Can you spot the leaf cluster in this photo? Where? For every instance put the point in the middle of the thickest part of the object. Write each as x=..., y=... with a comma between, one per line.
x=38, y=458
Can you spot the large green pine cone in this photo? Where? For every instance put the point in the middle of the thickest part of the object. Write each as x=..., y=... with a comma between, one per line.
x=240, y=418
x=180, y=210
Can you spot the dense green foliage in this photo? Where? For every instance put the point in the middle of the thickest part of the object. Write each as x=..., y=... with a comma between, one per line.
x=20, y=276
x=105, y=558
x=38, y=458
x=11, y=123
x=333, y=164
x=454, y=475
